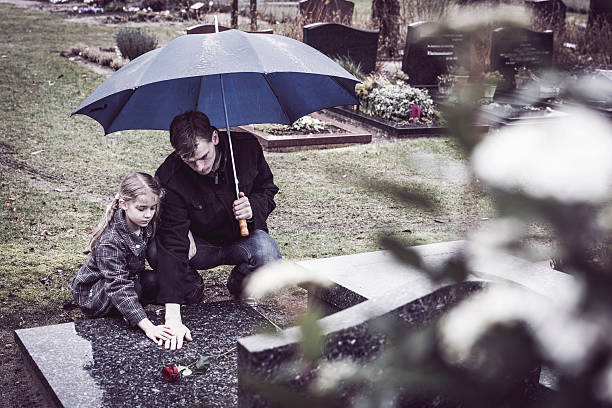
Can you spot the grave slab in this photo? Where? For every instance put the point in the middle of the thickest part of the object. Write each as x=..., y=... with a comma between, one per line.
x=348, y=135
x=359, y=277
x=103, y=363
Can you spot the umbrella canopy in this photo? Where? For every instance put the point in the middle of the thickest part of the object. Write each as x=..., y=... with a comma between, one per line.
x=263, y=79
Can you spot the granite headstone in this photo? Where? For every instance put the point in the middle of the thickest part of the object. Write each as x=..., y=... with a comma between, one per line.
x=513, y=48
x=338, y=11
x=600, y=12
x=341, y=41
x=103, y=363
x=430, y=52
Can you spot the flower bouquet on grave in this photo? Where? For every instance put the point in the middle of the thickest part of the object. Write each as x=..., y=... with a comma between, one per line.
x=522, y=77
x=446, y=82
x=490, y=81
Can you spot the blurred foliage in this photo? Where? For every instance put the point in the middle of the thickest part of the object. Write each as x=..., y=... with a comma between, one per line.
x=502, y=367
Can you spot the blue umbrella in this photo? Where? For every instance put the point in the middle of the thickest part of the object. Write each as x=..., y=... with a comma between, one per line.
x=235, y=78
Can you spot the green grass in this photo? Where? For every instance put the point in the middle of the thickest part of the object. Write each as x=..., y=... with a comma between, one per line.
x=60, y=171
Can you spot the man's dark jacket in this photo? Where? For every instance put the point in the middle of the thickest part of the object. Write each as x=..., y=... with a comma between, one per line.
x=203, y=204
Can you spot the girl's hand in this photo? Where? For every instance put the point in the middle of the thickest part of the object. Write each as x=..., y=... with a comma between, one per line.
x=160, y=333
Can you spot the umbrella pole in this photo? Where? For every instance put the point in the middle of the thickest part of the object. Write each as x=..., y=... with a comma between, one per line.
x=244, y=230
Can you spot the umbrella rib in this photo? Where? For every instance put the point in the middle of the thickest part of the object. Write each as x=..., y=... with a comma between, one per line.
x=199, y=90
x=341, y=86
x=277, y=99
x=119, y=111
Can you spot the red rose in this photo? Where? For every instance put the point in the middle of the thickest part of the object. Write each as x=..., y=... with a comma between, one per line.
x=170, y=373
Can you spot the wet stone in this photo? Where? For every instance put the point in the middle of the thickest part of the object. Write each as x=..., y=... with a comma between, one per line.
x=104, y=363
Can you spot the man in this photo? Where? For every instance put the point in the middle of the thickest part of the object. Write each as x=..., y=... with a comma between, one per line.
x=200, y=202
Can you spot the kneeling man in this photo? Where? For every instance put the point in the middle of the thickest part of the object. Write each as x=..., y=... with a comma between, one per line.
x=199, y=213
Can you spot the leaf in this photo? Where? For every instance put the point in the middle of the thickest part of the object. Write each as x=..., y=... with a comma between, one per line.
x=203, y=364
x=312, y=336
x=185, y=372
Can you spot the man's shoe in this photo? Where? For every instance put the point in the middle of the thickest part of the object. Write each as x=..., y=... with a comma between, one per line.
x=196, y=296
x=234, y=286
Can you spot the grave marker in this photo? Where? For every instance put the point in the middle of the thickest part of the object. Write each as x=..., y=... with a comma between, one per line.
x=103, y=363
x=512, y=48
x=339, y=40
x=600, y=11
x=430, y=52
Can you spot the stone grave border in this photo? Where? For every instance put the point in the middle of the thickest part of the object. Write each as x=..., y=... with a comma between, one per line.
x=351, y=135
x=386, y=128
x=346, y=331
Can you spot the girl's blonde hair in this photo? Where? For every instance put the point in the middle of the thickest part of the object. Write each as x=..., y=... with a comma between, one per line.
x=133, y=185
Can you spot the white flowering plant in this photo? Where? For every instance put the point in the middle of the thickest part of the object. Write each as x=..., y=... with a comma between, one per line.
x=395, y=101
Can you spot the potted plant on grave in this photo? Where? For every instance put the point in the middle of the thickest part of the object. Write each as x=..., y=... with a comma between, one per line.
x=522, y=77
x=490, y=80
x=446, y=83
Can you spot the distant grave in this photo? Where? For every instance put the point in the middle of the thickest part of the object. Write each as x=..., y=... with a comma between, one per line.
x=102, y=363
x=513, y=48
x=343, y=135
x=430, y=52
x=341, y=41
x=210, y=28
x=548, y=13
x=600, y=12
x=339, y=11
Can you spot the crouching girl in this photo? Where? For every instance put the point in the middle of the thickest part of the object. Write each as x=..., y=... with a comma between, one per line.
x=114, y=279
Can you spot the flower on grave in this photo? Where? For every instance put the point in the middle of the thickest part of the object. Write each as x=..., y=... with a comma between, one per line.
x=170, y=373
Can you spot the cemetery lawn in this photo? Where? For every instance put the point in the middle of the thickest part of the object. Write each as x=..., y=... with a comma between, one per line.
x=59, y=173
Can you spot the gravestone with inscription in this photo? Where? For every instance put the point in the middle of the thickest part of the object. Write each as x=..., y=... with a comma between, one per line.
x=512, y=48
x=548, y=13
x=600, y=12
x=339, y=11
x=430, y=52
x=341, y=41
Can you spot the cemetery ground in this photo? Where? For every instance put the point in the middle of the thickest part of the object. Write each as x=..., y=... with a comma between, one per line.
x=58, y=173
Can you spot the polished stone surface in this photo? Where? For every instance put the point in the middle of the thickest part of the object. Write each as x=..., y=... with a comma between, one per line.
x=370, y=286
x=369, y=275
x=348, y=333
x=103, y=363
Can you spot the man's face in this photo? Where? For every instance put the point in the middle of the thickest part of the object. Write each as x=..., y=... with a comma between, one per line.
x=203, y=158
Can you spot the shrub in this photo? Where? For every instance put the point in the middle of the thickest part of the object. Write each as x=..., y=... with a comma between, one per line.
x=352, y=67
x=133, y=42
x=155, y=5
x=394, y=102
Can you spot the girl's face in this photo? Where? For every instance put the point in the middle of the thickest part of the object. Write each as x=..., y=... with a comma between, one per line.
x=140, y=211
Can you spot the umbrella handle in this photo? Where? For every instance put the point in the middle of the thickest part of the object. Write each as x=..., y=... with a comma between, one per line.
x=244, y=230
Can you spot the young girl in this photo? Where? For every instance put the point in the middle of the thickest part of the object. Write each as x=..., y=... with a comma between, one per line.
x=114, y=278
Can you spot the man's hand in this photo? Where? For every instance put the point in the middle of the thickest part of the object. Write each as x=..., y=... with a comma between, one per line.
x=242, y=208
x=180, y=332
x=158, y=334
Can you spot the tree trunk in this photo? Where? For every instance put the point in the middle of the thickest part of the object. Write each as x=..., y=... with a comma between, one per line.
x=253, y=9
x=386, y=14
x=234, y=14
